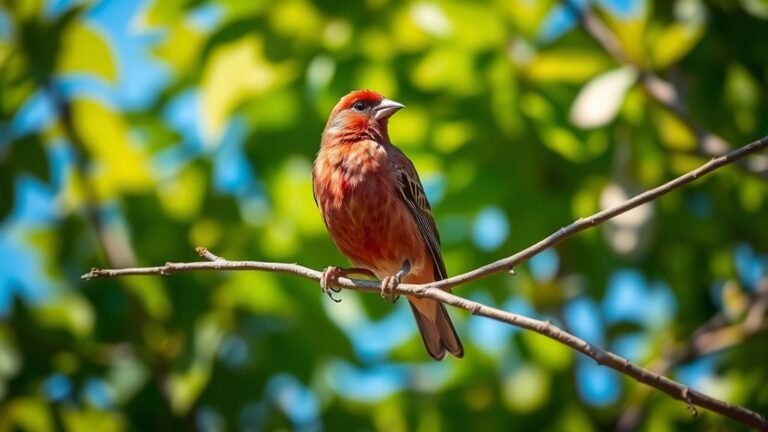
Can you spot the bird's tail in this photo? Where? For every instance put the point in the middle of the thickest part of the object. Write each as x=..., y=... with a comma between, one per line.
x=436, y=328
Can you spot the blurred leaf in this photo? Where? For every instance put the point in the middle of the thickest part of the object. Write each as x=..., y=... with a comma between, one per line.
x=151, y=293
x=68, y=312
x=90, y=419
x=285, y=15
x=568, y=145
x=412, y=127
x=291, y=190
x=182, y=196
x=599, y=101
x=158, y=13
x=10, y=360
x=570, y=66
x=450, y=136
x=553, y=355
x=446, y=70
x=25, y=9
x=741, y=94
x=84, y=51
x=181, y=48
x=237, y=71
x=674, y=133
x=258, y=293
x=630, y=32
x=504, y=97
x=27, y=155
x=6, y=192
x=526, y=388
x=121, y=164
x=185, y=387
x=527, y=16
x=464, y=20
x=674, y=42
x=26, y=413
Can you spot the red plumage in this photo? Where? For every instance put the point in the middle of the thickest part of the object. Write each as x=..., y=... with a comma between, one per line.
x=375, y=209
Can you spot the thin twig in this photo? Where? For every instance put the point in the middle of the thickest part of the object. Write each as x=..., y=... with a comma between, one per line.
x=435, y=290
x=717, y=334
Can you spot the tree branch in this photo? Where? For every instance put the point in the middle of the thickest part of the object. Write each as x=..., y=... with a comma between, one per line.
x=715, y=335
x=436, y=291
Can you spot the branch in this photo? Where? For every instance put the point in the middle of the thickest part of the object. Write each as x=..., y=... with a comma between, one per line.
x=717, y=334
x=601, y=356
x=435, y=290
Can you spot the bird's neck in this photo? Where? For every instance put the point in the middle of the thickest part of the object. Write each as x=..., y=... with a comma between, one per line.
x=333, y=136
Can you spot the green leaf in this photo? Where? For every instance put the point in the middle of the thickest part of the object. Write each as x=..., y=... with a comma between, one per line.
x=27, y=155
x=565, y=65
x=84, y=51
x=674, y=42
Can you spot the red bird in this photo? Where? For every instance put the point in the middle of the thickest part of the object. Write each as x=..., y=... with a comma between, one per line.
x=377, y=213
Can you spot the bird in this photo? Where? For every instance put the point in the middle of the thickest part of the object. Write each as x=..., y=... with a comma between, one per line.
x=373, y=204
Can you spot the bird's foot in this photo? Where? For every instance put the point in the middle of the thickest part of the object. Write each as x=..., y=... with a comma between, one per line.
x=331, y=276
x=388, y=286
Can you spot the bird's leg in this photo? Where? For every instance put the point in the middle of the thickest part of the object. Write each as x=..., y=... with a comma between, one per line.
x=332, y=274
x=391, y=282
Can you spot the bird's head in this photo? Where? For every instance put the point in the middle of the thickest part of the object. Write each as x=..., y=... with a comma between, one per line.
x=359, y=112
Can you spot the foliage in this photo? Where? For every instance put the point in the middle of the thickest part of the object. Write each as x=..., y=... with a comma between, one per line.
x=131, y=132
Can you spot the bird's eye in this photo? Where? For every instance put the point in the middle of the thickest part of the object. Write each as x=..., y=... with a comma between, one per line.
x=358, y=106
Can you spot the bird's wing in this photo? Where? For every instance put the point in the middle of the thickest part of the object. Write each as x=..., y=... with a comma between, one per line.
x=412, y=193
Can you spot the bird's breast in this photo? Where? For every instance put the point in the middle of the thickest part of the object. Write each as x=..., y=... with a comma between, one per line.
x=364, y=213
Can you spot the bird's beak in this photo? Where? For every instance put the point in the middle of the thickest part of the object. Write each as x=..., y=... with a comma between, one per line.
x=386, y=108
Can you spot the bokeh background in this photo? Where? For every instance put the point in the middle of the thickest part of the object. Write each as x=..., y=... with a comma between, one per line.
x=133, y=131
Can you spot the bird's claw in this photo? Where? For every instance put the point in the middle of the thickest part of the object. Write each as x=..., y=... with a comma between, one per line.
x=328, y=279
x=388, y=285
x=332, y=274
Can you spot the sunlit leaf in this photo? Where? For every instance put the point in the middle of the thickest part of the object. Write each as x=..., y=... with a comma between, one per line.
x=121, y=164
x=450, y=136
x=547, y=352
x=559, y=65
x=411, y=127
x=526, y=388
x=285, y=15
x=674, y=42
x=68, y=312
x=85, y=51
x=599, y=101
x=527, y=16
x=181, y=48
x=182, y=196
x=447, y=70
x=10, y=361
x=89, y=419
x=465, y=16
x=27, y=413
x=630, y=33
x=292, y=195
x=255, y=292
x=233, y=73
x=160, y=12
x=377, y=76
x=151, y=293
x=505, y=95
x=674, y=133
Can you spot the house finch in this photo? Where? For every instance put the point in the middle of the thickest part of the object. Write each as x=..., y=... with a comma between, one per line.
x=377, y=213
